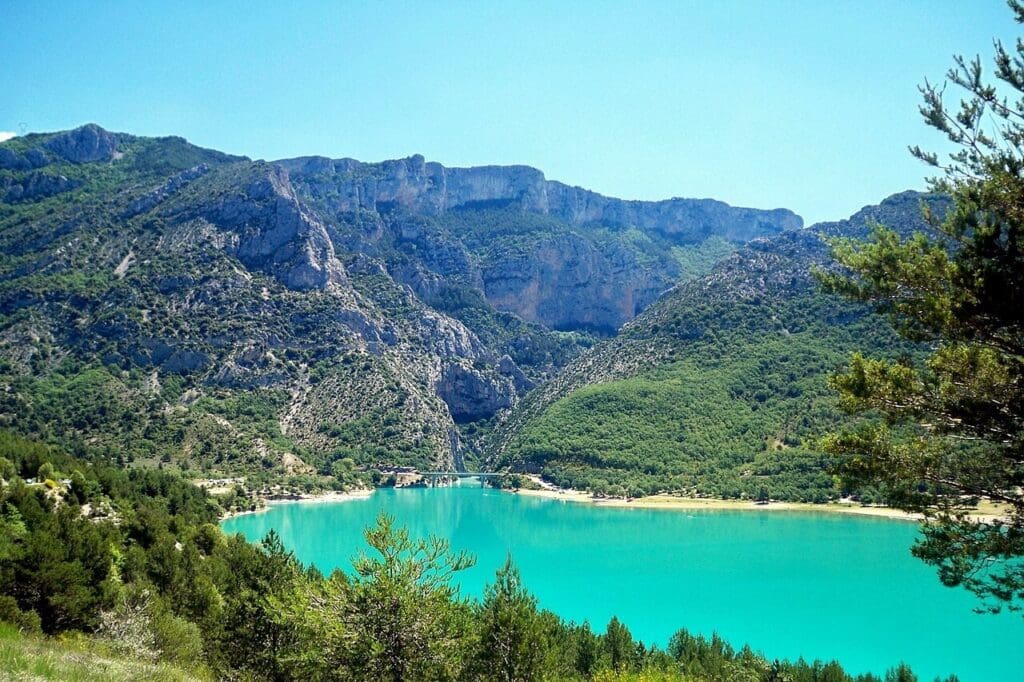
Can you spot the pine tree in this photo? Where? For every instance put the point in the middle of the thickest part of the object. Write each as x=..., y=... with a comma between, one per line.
x=952, y=427
x=511, y=636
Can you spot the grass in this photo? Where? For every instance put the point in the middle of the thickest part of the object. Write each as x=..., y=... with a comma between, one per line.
x=75, y=659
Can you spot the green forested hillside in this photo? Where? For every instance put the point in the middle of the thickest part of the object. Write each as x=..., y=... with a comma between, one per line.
x=720, y=388
x=736, y=421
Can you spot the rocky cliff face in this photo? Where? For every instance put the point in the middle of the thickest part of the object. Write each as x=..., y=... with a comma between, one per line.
x=84, y=145
x=270, y=229
x=567, y=282
x=560, y=256
x=471, y=394
x=87, y=144
x=431, y=189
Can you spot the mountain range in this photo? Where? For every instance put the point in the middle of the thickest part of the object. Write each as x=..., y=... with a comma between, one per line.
x=175, y=306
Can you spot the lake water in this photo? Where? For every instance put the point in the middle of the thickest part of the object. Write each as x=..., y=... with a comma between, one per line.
x=790, y=584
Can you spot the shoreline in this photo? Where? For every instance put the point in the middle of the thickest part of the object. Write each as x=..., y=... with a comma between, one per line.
x=676, y=503
x=304, y=498
x=661, y=501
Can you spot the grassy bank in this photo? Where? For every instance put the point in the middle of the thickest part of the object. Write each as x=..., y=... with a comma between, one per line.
x=75, y=659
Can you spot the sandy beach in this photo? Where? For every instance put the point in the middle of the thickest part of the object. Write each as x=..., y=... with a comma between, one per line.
x=306, y=498
x=985, y=511
x=328, y=496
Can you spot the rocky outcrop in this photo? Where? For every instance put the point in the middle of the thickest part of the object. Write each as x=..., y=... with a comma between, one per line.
x=283, y=237
x=12, y=160
x=84, y=145
x=430, y=188
x=472, y=394
x=159, y=194
x=449, y=338
x=150, y=352
x=250, y=367
x=507, y=367
x=902, y=212
x=567, y=282
x=38, y=185
x=185, y=362
x=439, y=252
x=273, y=232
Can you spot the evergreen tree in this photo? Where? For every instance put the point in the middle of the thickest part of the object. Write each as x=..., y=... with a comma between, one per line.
x=618, y=643
x=953, y=427
x=398, y=618
x=588, y=650
x=901, y=673
x=512, y=642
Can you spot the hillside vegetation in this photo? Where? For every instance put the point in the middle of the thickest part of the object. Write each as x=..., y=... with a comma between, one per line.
x=75, y=659
x=718, y=389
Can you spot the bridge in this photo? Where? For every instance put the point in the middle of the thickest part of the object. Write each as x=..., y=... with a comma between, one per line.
x=432, y=477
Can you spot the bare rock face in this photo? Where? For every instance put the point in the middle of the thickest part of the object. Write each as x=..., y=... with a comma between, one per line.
x=568, y=283
x=84, y=145
x=438, y=252
x=571, y=269
x=274, y=231
x=430, y=188
x=472, y=394
x=507, y=367
x=449, y=338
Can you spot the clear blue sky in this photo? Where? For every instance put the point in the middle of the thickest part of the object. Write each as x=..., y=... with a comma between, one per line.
x=805, y=104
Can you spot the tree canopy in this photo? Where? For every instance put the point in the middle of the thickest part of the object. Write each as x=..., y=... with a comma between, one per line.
x=942, y=433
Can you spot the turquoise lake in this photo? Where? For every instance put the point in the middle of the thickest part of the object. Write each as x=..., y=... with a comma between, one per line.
x=821, y=586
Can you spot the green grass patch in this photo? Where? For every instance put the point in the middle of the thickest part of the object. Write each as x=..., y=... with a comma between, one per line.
x=75, y=659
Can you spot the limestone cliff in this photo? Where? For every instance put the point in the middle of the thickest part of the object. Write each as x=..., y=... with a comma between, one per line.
x=560, y=256
x=430, y=188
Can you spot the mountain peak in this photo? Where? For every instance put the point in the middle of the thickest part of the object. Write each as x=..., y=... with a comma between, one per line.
x=84, y=144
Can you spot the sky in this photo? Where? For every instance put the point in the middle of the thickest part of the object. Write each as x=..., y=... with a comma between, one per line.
x=802, y=104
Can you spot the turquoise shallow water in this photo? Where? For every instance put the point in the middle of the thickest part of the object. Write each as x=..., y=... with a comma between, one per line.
x=790, y=584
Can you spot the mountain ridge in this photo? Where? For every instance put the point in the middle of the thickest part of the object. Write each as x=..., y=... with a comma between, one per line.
x=189, y=308
x=562, y=257
x=431, y=187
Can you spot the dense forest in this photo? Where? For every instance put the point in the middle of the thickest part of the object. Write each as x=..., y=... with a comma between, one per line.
x=735, y=415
